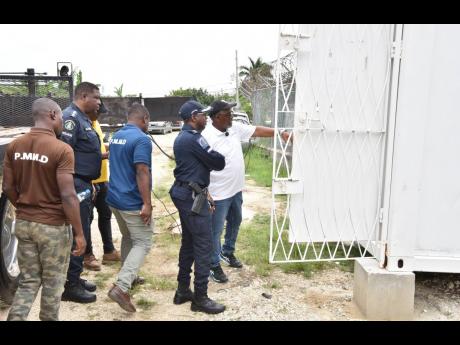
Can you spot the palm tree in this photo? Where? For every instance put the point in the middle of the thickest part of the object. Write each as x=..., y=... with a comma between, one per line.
x=119, y=91
x=256, y=68
x=258, y=74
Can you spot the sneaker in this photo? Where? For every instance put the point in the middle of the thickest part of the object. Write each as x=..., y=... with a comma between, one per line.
x=230, y=260
x=90, y=262
x=138, y=281
x=110, y=258
x=218, y=275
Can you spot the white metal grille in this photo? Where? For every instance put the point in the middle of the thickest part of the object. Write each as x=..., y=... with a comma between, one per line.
x=327, y=200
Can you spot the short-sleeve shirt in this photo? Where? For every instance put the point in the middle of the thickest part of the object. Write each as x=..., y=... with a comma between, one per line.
x=35, y=159
x=128, y=147
x=226, y=183
x=194, y=157
x=79, y=133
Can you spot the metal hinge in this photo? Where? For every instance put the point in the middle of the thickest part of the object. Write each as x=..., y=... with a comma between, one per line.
x=396, y=50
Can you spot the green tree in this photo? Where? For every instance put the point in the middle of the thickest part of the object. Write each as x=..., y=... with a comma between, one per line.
x=255, y=68
x=246, y=106
x=201, y=95
x=77, y=76
x=256, y=75
x=119, y=90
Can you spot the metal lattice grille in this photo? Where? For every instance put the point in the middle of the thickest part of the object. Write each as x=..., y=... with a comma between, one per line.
x=326, y=202
x=17, y=93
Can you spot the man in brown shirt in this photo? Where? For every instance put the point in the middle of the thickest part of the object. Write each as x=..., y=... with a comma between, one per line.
x=38, y=180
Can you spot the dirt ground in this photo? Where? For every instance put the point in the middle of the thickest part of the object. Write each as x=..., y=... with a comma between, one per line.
x=327, y=295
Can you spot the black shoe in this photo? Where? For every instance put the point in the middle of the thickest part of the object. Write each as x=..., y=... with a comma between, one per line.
x=183, y=296
x=230, y=260
x=206, y=305
x=76, y=293
x=88, y=286
x=218, y=275
x=138, y=281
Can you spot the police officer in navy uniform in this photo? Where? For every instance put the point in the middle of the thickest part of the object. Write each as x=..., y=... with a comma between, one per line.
x=80, y=135
x=194, y=162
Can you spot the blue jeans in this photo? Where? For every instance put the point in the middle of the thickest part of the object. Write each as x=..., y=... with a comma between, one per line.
x=226, y=210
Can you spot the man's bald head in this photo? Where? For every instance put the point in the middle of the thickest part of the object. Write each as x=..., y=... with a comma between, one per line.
x=41, y=107
x=47, y=114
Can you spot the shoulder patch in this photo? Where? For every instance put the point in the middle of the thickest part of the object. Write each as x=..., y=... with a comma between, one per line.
x=69, y=125
x=74, y=113
x=203, y=143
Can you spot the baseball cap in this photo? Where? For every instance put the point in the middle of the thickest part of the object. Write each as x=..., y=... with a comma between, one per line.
x=189, y=108
x=217, y=106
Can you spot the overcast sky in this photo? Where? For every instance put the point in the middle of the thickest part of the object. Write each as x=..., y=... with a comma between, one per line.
x=152, y=58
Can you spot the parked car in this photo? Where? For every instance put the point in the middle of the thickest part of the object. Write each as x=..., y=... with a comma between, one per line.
x=162, y=127
x=177, y=125
x=243, y=118
x=9, y=268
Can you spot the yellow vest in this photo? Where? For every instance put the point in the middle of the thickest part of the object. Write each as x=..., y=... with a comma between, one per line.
x=104, y=164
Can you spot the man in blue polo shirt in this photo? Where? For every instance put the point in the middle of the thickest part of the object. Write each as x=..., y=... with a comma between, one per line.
x=129, y=198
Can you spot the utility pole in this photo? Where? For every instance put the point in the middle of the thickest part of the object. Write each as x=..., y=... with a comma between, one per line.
x=237, y=79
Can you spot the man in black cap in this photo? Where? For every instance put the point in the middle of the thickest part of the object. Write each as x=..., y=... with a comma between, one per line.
x=226, y=185
x=194, y=162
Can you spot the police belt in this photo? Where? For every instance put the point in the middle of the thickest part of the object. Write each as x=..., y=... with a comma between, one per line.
x=184, y=184
x=83, y=178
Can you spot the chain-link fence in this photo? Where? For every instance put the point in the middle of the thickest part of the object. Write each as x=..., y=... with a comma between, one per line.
x=262, y=93
x=263, y=109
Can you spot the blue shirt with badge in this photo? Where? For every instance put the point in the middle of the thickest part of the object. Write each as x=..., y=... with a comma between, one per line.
x=128, y=147
x=81, y=136
x=194, y=157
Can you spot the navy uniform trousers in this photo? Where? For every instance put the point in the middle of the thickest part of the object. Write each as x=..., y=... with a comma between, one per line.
x=76, y=262
x=196, y=240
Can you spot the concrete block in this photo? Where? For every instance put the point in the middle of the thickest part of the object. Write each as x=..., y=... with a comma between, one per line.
x=383, y=295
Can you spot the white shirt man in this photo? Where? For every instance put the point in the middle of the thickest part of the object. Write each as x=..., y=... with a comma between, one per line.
x=226, y=185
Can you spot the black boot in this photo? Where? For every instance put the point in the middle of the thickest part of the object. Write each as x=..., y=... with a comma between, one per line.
x=201, y=302
x=75, y=292
x=87, y=285
x=183, y=294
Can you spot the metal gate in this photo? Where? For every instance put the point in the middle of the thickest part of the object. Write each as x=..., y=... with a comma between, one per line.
x=326, y=202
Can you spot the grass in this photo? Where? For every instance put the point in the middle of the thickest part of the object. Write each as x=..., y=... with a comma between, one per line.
x=273, y=285
x=162, y=191
x=161, y=283
x=259, y=166
x=253, y=247
x=145, y=304
x=101, y=279
x=169, y=244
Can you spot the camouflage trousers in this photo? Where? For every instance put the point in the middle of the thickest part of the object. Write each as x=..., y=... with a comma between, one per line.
x=43, y=258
